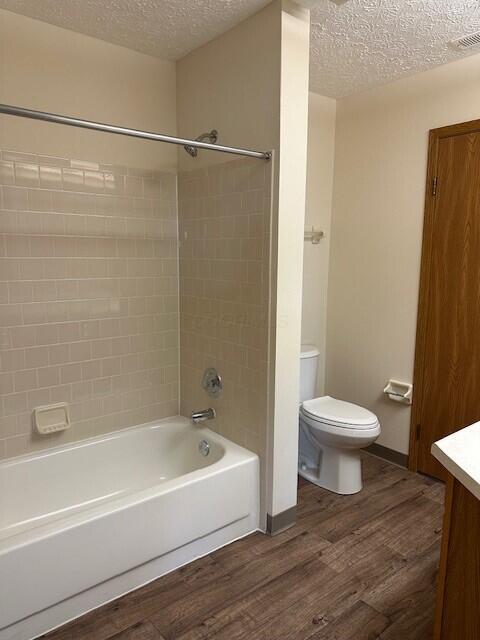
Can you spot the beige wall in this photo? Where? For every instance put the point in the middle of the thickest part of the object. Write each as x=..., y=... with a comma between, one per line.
x=52, y=69
x=287, y=258
x=251, y=84
x=232, y=84
x=380, y=167
x=318, y=212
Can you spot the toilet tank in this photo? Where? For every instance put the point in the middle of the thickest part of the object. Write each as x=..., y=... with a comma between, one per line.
x=308, y=371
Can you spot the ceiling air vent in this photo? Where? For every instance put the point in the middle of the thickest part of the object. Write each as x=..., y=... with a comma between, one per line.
x=466, y=42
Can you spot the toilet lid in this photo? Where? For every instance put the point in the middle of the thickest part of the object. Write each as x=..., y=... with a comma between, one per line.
x=339, y=413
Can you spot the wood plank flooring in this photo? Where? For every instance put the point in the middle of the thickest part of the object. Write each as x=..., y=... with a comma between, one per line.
x=353, y=568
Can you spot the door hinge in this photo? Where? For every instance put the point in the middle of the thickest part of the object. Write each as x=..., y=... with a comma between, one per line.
x=434, y=186
x=418, y=428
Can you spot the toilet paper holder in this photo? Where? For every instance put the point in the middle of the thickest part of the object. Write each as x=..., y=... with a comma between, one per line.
x=399, y=391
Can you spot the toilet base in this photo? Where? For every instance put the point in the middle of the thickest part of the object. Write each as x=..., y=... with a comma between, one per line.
x=338, y=470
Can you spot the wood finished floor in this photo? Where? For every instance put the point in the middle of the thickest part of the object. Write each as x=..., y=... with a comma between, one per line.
x=353, y=568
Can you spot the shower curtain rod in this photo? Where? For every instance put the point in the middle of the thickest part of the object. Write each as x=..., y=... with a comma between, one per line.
x=124, y=131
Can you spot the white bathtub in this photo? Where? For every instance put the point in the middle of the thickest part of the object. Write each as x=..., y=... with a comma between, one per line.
x=85, y=523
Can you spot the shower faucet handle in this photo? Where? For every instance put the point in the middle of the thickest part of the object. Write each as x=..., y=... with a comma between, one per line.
x=212, y=382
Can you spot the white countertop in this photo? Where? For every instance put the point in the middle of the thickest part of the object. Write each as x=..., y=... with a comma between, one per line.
x=459, y=453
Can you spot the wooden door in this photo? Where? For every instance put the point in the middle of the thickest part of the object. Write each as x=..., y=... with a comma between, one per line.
x=447, y=361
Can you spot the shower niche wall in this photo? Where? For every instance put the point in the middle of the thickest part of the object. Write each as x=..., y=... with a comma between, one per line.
x=120, y=285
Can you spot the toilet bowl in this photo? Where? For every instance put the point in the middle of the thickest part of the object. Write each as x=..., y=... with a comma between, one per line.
x=331, y=434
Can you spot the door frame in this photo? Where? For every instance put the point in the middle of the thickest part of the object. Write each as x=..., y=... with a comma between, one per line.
x=435, y=135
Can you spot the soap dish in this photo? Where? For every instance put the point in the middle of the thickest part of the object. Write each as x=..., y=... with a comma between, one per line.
x=51, y=418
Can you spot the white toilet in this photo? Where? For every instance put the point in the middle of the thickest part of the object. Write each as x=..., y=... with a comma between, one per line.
x=331, y=433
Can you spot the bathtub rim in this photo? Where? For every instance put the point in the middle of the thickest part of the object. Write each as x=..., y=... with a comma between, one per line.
x=113, y=435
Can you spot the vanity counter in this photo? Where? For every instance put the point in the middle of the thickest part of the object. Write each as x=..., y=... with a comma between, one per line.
x=459, y=453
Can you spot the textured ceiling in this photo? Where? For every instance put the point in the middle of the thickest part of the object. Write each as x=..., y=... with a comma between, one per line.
x=166, y=29
x=365, y=43
x=354, y=46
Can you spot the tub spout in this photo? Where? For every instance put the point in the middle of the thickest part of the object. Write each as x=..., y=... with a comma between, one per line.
x=202, y=416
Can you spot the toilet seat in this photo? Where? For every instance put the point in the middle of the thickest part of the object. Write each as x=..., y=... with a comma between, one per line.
x=337, y=413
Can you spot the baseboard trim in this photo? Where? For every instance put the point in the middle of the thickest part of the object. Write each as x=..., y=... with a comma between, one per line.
x=388, y=454
x=281, y=521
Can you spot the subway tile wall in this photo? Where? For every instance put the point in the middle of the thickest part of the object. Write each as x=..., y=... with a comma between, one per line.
x=224, y=228
x=88, y=297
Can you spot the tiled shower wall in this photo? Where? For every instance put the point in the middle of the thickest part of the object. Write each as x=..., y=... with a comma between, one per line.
x=224, y=230
x=88, y=297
